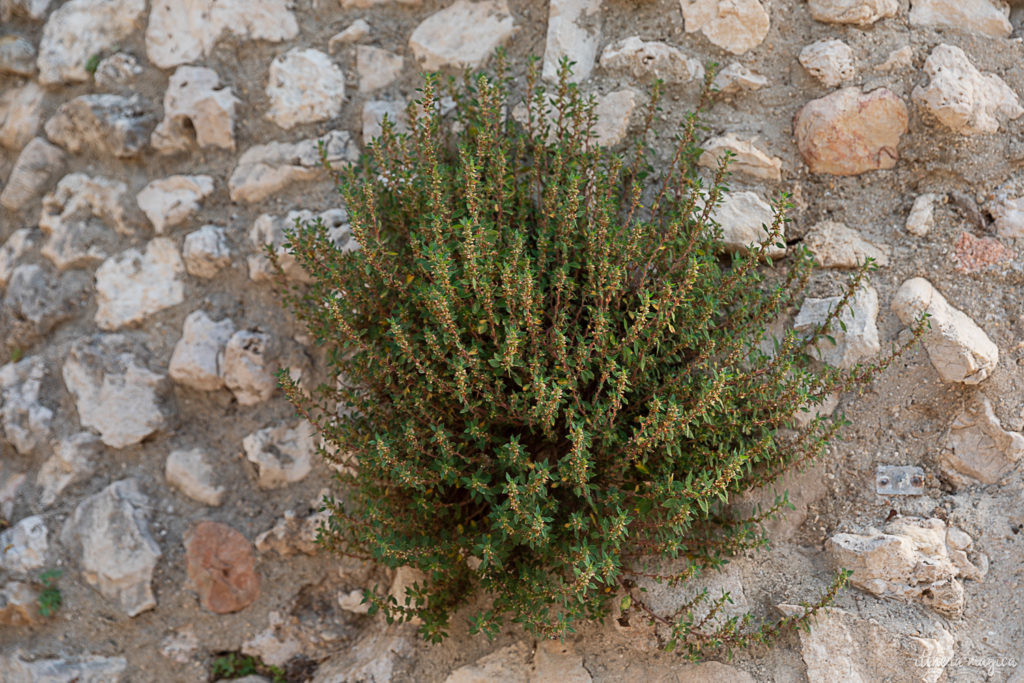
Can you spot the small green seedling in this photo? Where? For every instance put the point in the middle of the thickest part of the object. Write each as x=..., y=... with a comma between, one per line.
x=49, y=599
x=92, y=63
x=234, y=665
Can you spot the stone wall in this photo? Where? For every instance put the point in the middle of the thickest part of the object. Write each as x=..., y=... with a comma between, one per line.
x=149, y=149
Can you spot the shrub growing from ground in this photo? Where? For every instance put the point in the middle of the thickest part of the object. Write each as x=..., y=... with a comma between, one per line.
x=545, y=372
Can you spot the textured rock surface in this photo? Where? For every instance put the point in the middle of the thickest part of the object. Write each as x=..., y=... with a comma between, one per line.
x=79, y=29
x=116, y=394
x=744, y=218
x=196, y=109
x=171, y=201
x=249, y=365
x=479, y=28
x=921, y=218
x=856, y=12
x=747, y=158
x=81, y=669
x=304, y=86
x=102, y=124
x=736, y=78
x=19, y=114
x=849, y=132
x=191, y=473
x=221, y=567
x=574, y=31
x=18, y=606
x=23, y=547
x=81, y=218
x=987, y=17
x=134, y=285
x=857, y=342
x=265, y=169
x=836, y=246
x=25, y=420
x=270, y=230
x=958, y=348
x=736, y=26
x=17, y=56
x=645, y=60
x=199, y=355
x=117, y=554
x=614, y=112
x=377, y=68
x=1009, y=218
x=282, y=454
x=72, y=461
x=961, y=97
x=38, y=165
x=978, y=447
x=206, y=251
x=830, y=61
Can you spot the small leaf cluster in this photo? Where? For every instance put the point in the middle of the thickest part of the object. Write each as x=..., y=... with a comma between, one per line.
x=49, y=599
x=545, y=369
x=234, y=665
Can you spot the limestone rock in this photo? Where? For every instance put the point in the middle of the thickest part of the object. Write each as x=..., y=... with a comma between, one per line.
x=88, y=669
x=19, y=114
x=841, y=646
x=978, y=447
x=37, y=167
x=987, y=17
x=276, y=644
x=903, y=58
x=13, y=249
x=115, y=393
x=1009, y=215
x=118, y=556
x=71, y=462
x=961, y=97
x=186, y=31
x=171, y=201
x=510, y=663
x=462, y=35
x=574, y=31
x=665, y=599
x=355, y=32
x=304, y=86
x=103, y=124
x=374, y=112
x=196, y=111
x=38, y=300
x=293, y=534
x=830, y=61
x=736, y=77
x=858, y=342
x=374, y=657
x=206, y=251
x=265, y=169
x=33, y=9
x=909, y=560
x=353, y=602
x=710, y=672
x=857, y=12
x=848, y=132
x=118, y=71
x=736, y=26
x=198, y=356
x=614, y=112
x=26, y=421
x=79, y=29
x=646, y=60
x=181, y=645
x=836, y=246
x=133, y=285
x=268, y=229
x=189, y=472
x=68, y=218
x=743, y=217
x=248, y=366
x=17, y=56
x=747, y=157
x=18, y=605
x=282, y=454
x=377, y=68
x=922, y=215
x=958, y=348
x=221, y=567
x=23, y=547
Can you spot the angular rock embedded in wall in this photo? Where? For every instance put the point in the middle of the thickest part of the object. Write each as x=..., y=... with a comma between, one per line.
x=183, y=32
x=38, y=165
x=735, y=78
x=268, y=229
x=373, y=115
x=355, y=32
x=115, y=393
x=293, y=534
x=102, y=124
x=841, y=646
x=38, y=300
x=198, y=356
x=81, y=669
x=117, y=72
x=13, y=249
x=978, y=447
x=206, y=251
x=196, y=111
x=614, y=112
x=26, y=421
x=72, y=461
x=836, y=246
x=74, y=237
x=265, y=169
x=830, y=61
x=848, y=132
x=17, y=56
x=248, y=366
x=858, y=342
x=987, y=17
x=172, y=200
x=574, y=31
x=913, y=559
x=79, y=29
x=221, y=567
x=857, y=12
x=747, y=158
x=282, y=454
x=19, y=114
x=957, y=347
x=18, y=604
x=117, y=555
x=961, y=97
x=744, y=217
x=1009, y=218
x=304, y=86
x=921, y=218
x=646, y=60
x=33, y=9
x=191, y=473
x=377, y=68
x=736, y=26
x=462, y=35
x=134, y=285
x=23, y=547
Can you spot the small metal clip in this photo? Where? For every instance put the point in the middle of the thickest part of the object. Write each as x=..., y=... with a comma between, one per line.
x=899, y=480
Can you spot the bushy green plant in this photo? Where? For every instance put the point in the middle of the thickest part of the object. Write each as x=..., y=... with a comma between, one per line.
x=49, y=599
x=234, y=665
x=544, y=370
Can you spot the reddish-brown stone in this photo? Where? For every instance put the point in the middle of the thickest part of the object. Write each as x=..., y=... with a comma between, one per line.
x=222, y=567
